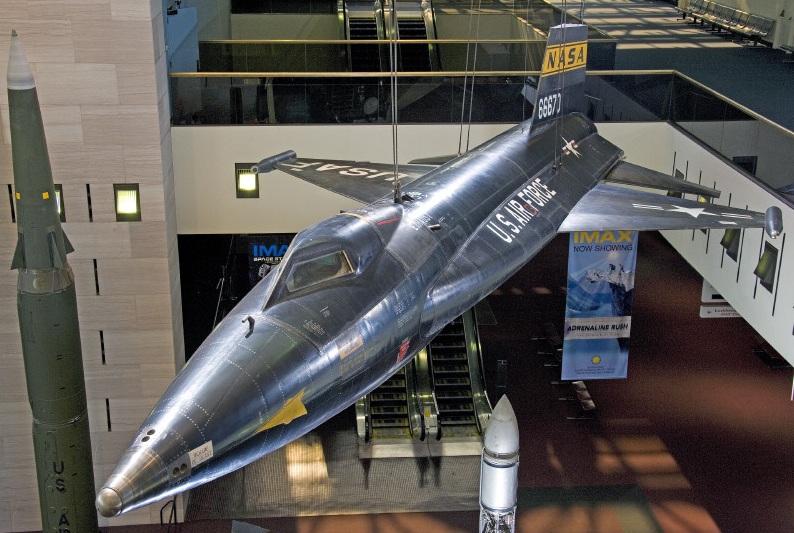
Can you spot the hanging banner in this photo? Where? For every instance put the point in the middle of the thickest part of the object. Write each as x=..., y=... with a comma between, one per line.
x=598, y=311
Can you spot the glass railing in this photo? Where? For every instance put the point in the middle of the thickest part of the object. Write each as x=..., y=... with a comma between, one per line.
x=755, y=144
x=302, y=57
x=367, y=55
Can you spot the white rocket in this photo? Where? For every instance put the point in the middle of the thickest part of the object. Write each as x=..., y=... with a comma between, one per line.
x=499, y=471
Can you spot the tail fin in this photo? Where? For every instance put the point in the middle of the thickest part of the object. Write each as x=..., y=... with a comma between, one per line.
x=562, y=77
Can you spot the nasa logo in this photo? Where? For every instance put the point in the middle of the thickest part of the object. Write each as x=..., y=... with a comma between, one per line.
x=562, y=58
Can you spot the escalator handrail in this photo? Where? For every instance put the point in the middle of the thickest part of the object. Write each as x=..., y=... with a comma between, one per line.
x=416, y=423
x=479, y=396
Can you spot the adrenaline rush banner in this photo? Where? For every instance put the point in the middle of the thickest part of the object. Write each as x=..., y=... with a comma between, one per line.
x=598, y=311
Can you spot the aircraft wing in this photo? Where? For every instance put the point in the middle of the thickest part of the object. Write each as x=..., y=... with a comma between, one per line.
x=630, y=174
x=359, y=180
x=607, y=207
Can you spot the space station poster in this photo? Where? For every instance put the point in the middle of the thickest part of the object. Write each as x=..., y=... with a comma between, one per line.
x=598, y=311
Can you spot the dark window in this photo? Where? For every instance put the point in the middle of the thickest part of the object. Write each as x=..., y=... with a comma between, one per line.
x=747, y=162
x=767, y=266
x=730, y=241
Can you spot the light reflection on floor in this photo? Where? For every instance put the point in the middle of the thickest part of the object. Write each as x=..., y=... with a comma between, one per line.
x=571, y=520
x=307, y=471
x=635, y=451
x=625, y=450
x=648, y=30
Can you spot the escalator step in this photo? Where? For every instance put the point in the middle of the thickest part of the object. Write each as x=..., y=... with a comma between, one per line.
x=456, y=408
x=456, y=420
x=449, y=356
x=389, y=410
x=453, y=382
x=387, y=396
x=448, y=345
x=389, y=422
x=464, y=431
x=390, y=433
x=445, y=395
x=393, y=384
x=451, y=369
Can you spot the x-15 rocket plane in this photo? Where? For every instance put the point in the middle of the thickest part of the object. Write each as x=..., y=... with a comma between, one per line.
x=359, y=294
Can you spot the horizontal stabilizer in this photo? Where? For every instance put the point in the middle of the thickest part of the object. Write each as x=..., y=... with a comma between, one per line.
x=607, y=207
x=630, y=174
x=360, y=180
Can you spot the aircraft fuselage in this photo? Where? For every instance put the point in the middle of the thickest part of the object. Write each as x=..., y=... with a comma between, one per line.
x=354, y=299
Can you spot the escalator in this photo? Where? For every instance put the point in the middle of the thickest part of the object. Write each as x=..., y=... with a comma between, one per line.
x=452, y=382
x=435, y=406
x=413, y=57
x=364, y=57
x=391, y=421
x=373, y=21
x=388, y=407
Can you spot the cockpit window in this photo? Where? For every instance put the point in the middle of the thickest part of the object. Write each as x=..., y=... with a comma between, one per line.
x=317, y=270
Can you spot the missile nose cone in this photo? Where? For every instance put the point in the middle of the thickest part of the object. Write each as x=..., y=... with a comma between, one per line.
x=108, y=502
x=501, y=433
x=20, y=77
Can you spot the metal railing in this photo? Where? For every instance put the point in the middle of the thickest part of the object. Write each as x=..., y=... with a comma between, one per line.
x=760, y=146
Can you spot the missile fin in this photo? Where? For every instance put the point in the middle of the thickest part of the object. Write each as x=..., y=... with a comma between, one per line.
x=67, y=245
x=55, y=254
x=19, y=254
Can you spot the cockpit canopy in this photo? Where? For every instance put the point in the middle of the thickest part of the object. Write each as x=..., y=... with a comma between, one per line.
x=332, y=250
x=318, y=270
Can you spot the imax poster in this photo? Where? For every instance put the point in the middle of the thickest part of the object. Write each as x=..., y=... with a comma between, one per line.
x=265, y=252
x=598, y=312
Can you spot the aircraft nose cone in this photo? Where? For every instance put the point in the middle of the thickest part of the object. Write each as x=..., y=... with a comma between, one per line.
x=138, y=479
x=108, y=502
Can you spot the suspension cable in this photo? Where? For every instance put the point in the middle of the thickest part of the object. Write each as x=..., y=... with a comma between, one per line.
x=393, y=87
x=474, y=69
x=465, y=79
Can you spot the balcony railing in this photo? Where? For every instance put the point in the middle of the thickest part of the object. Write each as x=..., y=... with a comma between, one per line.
x=754, y=143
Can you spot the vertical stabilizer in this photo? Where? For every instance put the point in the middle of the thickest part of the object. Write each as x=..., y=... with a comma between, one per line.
x=562, y=77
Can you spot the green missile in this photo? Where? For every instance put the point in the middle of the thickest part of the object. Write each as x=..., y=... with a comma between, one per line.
x=48, y=325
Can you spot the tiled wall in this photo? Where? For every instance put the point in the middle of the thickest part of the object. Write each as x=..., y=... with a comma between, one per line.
x=101, y=76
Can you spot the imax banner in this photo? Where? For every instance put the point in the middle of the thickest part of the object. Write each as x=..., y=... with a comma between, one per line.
x=598, y=312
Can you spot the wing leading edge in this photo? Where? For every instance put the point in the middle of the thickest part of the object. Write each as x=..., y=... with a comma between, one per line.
x=359, y=180
x=607, y=207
